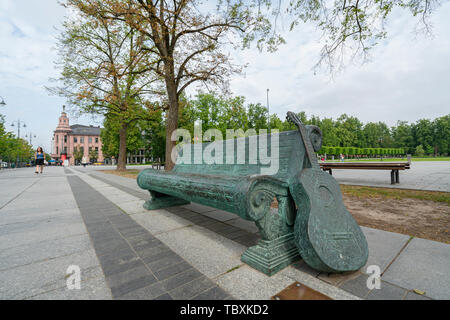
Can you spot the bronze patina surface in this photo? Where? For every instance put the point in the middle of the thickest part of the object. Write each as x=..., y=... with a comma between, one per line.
x=327, y=236
x=240, y=188
x=298, y=291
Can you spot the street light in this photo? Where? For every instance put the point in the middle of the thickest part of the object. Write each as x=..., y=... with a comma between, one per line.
x=18, y=127
x=268, y=113
x=2, y=103
x=31, y=136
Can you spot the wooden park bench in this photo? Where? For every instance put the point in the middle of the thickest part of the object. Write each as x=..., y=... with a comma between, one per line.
x=242, y=189
x=394, y=167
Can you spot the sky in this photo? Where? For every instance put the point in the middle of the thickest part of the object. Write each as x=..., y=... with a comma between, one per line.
x=407, y=77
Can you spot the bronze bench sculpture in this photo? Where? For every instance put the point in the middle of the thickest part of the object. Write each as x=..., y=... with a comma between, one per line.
x=241, y=189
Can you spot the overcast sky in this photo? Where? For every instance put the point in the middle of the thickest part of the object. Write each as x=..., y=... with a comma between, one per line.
x=408, y=77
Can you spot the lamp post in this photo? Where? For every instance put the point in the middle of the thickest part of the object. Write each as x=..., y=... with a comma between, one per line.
x=268, y=112
x=18, y=127
x=18, y=135
x=31, y=136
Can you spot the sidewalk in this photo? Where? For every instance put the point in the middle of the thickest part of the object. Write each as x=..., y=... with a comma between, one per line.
x=80, y=217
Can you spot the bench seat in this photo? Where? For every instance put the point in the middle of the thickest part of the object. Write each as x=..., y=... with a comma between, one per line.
x=241, y=189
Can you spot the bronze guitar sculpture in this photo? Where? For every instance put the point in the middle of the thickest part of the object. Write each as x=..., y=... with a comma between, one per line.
x=327, y=236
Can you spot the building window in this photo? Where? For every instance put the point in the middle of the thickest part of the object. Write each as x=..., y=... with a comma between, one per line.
x=82, y=150
x=65, y=149
x=57, y=139
x=65, y=139
x=96, y=140
x=75, y=140
x=96, y=148
x=90, y=140
x=57, y=150
x=81, y=140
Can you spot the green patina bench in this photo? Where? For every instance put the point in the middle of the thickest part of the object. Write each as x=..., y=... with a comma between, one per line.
x=311, y=220
x=241, y=189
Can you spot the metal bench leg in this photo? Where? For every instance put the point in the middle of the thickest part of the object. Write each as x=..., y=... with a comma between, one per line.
x=277, y=249
x=159, y=200
x=397, y=176
x=392, y=176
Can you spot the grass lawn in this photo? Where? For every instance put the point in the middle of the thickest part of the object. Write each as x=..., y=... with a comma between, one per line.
x=390, y=193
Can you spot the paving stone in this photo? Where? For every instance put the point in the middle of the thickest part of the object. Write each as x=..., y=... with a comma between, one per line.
x=113, y=266
x=423, y=265
x=248, y=240
x=43, y=250
x=162, y=263
x=414, y=296
x=110, y=246
x=357, y=286
x=387, y=291
x=149, y=252
x=132, y=231
x=198, y=208
x=338, y=278
x=205, y=250
x=92, y=289
x=303, y=266
x=130, y=280
x=180, y=279
x=36, y=278
x=146, y=293
x=249, y=226
x=158, y=222
x=192, y=289
x=126, y=253
x=215, y=293
x=172, y=270
x=384, y=246
x=220, y=215
x=165, y=296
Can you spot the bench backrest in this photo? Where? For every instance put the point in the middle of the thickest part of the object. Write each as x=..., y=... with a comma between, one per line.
x=291, y=154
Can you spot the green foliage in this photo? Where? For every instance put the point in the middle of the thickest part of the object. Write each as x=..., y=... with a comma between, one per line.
x=419, y=150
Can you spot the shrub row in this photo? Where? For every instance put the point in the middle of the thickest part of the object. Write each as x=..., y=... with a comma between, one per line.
x=361, y=151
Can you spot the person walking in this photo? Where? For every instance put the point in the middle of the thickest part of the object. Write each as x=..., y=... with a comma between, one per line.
x=39, y=157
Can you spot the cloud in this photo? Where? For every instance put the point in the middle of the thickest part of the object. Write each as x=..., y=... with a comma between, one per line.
x=407, y=77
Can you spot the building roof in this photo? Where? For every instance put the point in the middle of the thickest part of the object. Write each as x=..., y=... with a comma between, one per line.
x=80, y=130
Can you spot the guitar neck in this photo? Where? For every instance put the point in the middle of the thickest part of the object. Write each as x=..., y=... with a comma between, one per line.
x=308, y=146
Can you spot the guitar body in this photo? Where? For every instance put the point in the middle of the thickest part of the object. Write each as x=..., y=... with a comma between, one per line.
x=327, y=236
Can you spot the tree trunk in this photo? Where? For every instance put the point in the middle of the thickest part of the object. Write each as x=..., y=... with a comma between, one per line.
x=172, y=122
x=122, y=160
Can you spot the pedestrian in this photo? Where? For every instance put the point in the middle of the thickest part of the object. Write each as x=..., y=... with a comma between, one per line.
x=39, y=157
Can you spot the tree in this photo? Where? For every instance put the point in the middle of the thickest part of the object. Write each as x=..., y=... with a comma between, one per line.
x=104, y=64
x=351, y=28
x=77, y=154
x=189, y=44
x=93, y=155
x=419, y=150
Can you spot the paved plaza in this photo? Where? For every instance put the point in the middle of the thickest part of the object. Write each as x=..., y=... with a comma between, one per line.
x=423, y=175
x=82, y=217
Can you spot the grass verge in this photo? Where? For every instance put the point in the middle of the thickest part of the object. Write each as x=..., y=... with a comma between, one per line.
x=390, y=193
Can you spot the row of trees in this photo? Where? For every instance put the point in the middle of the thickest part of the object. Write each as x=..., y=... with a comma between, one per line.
x=128, y=59
x=345, y=135
x=12, y=149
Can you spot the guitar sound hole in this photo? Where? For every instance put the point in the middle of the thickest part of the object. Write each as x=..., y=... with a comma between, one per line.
x=326, y=196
